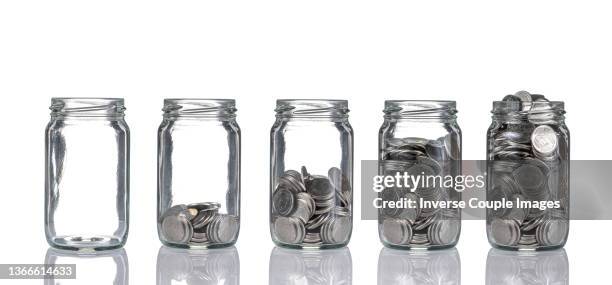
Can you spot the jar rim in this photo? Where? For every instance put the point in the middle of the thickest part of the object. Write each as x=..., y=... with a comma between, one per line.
x=312, y=108
x=87, y=106
x=199, y=107
x=420, y=109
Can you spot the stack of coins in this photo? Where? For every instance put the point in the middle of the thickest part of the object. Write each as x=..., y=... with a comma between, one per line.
x=198, y=224
x=527, y=162
x=416, y=226
x=310, y=209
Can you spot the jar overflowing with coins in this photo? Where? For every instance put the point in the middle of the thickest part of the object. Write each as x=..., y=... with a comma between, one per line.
x=198, y=173
x=528, y=169
x=311, y=193
x=420, y=140
x=87, y=174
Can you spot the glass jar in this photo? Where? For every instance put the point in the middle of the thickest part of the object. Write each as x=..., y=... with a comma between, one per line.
x=419, y=138
x=87, y=174
x=198, y=173
x=311, y=184
x=528, y=168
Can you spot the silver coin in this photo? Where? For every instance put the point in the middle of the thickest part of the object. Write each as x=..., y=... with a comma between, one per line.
x=199, y=237
x=177, y=229
x=505, y=232
x=289, y=230
x=284, y=201
x=336, y=230
x=396, y=231
x=552, y=232
x=223, y=229
x=320, y=187
x=544, y=140
x=305, y=207
x=524, y=96
x=292, y=180
x=444, y=232
x=530, y=176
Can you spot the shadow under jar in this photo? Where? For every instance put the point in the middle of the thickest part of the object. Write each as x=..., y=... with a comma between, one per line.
x=528, y=166
x=198, y=174
x=87, y=174
x=419, y=139
x=311, y=193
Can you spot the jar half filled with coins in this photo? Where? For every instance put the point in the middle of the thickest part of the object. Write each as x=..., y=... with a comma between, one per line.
x=419, y=142
x=311, y=193
x=198, y=173
x=528, y=171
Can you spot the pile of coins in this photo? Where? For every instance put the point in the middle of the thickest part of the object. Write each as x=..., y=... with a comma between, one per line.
x=398, y=267
x=528, y=162
x=198, y=224
x=312, y=209
x=416, y=226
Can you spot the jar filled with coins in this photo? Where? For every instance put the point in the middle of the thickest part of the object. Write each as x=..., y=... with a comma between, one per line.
x=311, y=193
x=87, y=174
x=198, y=173
x=419, y=141
x=528, y=171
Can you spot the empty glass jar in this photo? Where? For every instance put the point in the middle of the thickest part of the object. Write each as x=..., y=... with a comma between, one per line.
x=198, y=173
x=87, y=174
x=528, y=166
x=311, y=191
x=419, y=139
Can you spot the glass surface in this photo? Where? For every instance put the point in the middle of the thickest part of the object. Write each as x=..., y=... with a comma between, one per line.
x=199, y=173
x=198, y=267
x=528, y=162
x=399, y=267
x=87, y=174
x=527, y=267
x=289, y=267
x=107, y=267
x=311, y=174
x=419, y=138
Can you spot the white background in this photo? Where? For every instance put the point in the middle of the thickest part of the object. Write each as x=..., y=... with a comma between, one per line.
x=257, y=51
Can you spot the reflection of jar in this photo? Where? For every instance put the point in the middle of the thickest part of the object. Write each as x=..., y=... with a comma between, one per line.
x=420, y=139
x=333, y=266
x=198, y=267
x=528, y=165
x=527, y=267
x=419, y=267
x=89, y=266
x=87, y=174
x=199, y=173
x=311, y=174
